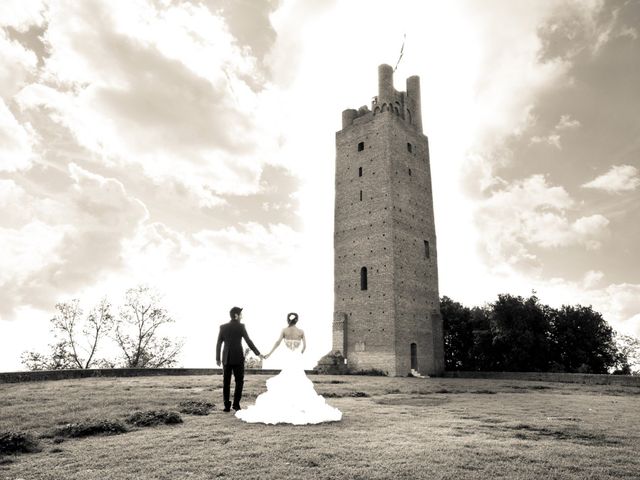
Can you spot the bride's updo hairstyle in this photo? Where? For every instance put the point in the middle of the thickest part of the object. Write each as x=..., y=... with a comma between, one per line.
x=292, y=318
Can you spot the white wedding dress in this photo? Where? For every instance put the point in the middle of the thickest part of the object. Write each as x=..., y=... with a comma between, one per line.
x=290, y=396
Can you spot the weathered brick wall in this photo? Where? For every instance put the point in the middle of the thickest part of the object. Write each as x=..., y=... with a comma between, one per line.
x=362, y=238
x=416, y=274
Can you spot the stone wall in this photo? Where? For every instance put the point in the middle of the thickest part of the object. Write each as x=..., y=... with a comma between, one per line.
x=45, y=375
x=585, y=378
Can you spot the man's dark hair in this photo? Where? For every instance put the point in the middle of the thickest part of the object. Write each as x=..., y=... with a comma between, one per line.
x=235, y=311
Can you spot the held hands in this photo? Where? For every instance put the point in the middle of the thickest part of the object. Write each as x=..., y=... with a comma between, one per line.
x=218, y=362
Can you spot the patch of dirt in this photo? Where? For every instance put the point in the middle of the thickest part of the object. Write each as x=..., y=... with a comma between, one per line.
x=346, y=394
x=571, y=434
x=411, y=400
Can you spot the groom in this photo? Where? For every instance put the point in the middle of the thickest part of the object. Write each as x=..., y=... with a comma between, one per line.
x=231, y=334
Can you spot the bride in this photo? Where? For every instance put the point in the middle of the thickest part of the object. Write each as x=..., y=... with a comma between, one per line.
x=290, y=396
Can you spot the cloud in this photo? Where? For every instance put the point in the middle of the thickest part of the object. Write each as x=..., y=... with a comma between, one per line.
x=20, y=14
x=16, y=142
x=553, y=138
x=165, y=89
x=531, y=213
x=620, y=178
x=51, y=247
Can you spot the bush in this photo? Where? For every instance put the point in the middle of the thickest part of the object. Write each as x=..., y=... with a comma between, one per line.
x=152, y=418
x=17, y=442
x=374, y=372
x=89, y=429
x=196, y=407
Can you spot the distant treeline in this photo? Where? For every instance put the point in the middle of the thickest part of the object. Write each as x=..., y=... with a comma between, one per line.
x=521, y=334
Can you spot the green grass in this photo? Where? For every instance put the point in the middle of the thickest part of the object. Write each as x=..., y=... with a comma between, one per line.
x=403, y=428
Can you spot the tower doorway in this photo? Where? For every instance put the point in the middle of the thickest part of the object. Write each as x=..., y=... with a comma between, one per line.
x=414, y=356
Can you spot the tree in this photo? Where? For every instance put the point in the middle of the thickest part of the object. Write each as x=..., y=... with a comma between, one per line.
x=77, y=337
x=57, y=359
x=136, y=332
x=628, y=361
x=582, y=341
x=519, y=329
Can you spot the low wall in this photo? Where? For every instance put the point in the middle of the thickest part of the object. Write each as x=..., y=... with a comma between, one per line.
x=585, y=378
x=44, y=375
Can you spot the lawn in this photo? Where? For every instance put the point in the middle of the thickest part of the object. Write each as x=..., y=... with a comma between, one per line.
x=392, y=428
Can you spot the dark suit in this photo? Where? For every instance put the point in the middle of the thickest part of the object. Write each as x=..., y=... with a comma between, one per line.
x=231, y=334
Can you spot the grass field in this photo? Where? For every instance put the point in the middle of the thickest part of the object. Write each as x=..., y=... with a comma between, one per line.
x=392, y=428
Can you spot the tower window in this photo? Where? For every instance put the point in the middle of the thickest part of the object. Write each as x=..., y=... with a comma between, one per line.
x=409, y=148
x=427, y=253
x=360, y=171
x=360, y=195
x=361, y=146
x=409, y=172
x=363, y=278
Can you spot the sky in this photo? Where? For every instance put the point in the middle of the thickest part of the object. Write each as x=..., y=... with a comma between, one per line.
x=190, y=146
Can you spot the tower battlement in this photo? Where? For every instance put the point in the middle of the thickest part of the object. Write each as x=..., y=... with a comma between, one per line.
x=386, y=302
x=405, y=105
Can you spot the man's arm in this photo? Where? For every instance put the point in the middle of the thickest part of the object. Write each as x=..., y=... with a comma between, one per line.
x=245, y=335
x=218, y=345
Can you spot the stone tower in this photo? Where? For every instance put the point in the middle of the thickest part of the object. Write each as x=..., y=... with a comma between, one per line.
x=387, y=307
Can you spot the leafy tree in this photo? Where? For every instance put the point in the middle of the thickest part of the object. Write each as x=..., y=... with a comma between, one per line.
x=628, y=355
x=467, y=338
x=582, y=341
x=77, y=337
x=519, y=329
x=458, y=334
x=136, y=332
x=57, y=359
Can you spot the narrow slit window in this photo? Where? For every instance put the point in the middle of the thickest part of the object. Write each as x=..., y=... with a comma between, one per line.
x=360, y=195
x=360, y=171
x=409, y=172
x=363, y=279
x=427, y=253
x=361, y=146
x=409, y=148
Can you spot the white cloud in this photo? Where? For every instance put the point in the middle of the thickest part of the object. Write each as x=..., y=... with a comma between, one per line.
x=567, y=123
x=165, y=89
x=531, y=213
x=21, y=14
x=51, y=247
x=16, y=142
x=553, y=138
x=620, y=178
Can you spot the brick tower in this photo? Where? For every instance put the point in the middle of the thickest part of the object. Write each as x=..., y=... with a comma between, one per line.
x=387, y=308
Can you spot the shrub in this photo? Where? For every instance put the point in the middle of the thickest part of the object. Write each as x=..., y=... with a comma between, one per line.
x=17, y=442
x=151, y=418
x=89, y=429
x=196, y=407
x=374, y=372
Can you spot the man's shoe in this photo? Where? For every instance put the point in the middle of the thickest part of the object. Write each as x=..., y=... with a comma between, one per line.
x=227, y=408
x=237, y=407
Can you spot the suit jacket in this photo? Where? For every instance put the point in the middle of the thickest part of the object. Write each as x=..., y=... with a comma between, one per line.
x=231, y=334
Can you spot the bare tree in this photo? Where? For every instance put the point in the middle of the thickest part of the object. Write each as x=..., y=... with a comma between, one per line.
x=77, y=337
x=136, y=331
